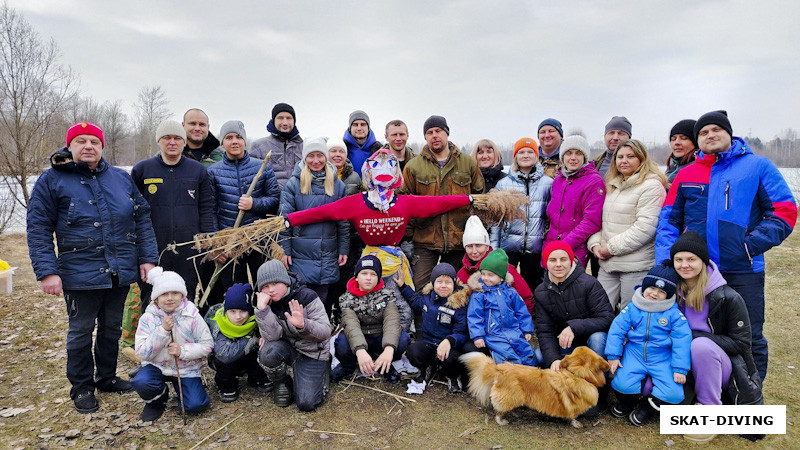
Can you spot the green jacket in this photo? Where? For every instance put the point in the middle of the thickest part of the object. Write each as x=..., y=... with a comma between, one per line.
x=460, y=175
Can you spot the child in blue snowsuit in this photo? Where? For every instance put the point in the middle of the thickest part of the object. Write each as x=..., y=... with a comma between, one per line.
x=497, y=316
x=443, y=305
x=659, y=339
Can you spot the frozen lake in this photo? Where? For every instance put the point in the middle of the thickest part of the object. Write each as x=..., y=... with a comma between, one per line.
x=17, y=222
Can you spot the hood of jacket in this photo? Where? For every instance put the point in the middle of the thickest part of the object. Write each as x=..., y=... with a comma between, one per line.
x=738, y=148
x=475, y=284
x=210, y=144
x=353, y=145
x=532, y=177
x=62, y=161
x=458, y=299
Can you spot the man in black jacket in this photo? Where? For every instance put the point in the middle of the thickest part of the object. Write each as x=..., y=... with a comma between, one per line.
x=179, y=193
x=201, y=145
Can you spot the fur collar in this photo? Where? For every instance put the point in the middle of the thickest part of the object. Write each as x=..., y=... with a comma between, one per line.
x=456, y=300
x=474, y=281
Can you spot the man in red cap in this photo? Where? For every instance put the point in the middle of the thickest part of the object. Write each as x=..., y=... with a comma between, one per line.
x=105, y=241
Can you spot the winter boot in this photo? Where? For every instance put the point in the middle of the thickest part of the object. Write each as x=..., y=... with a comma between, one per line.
x=282, y=393
x=86, y=402
x=625, y=404
x=114, y=384
x=595, y=410
x=392, y=376
x=229, y=397
x=649, y=406
x=154, y=408
x=263, y=386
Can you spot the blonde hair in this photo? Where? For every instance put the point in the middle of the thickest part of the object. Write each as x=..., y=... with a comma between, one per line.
x=696, y=296
x=498, y=157
x=645, y=169
x=306, y=177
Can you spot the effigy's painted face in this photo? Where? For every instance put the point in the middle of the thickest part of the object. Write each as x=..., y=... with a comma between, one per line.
x=383, y=169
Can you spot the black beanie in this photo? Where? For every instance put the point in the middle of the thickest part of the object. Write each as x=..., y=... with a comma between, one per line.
x=283, y=107
x=436, y=121
x=443, y=269
x=714, y=117
x=691, y=242
x=239, y=296
x=686, y=128
x=369, y=262
x=662, y=276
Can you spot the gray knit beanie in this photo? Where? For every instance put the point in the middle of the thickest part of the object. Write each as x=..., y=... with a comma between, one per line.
x=170, y=128
x=620, y=123
x=359, y=115
x=232, y=126
x=576, y=142
x=272, y=271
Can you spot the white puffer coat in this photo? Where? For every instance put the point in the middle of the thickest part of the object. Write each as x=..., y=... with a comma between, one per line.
x=630, y=219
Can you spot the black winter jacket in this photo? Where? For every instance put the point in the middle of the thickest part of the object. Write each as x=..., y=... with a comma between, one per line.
x=180, y=198
x=579, y=302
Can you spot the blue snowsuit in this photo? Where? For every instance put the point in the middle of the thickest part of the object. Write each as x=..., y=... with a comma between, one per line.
x=659, y=339
x=498, y=315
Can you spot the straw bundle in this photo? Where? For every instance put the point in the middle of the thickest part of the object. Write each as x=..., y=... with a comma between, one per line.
x=498, y=206
x=260, y=236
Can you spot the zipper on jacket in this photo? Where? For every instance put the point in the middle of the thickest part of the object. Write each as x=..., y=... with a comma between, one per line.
x=527, y=213
x=695, y=185
x=727, y=196
x=647, y=336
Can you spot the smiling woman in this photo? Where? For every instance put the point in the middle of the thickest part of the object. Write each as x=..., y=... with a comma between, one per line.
x=625, y=245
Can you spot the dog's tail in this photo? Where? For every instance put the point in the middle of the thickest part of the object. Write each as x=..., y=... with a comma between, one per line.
x=482, y=372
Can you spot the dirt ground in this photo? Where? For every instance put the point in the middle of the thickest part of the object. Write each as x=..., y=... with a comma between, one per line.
x=36, y=412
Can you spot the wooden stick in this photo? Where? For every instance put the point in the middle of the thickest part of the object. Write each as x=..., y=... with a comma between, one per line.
x=332, y=432
x=379, y=390
x=391, y=409
x=180, y=386
x=399, y=401
x=217, y=431
x=238, y=222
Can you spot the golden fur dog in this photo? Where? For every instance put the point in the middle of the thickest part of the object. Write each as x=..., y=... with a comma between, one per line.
x=566, y=393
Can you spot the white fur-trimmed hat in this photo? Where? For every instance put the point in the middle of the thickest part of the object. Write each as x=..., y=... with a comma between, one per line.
x=475, y=232
x=164, y=281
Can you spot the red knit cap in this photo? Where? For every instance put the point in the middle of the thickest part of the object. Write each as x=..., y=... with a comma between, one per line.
x=553, y=246
x=85, y=128
x=526, y=143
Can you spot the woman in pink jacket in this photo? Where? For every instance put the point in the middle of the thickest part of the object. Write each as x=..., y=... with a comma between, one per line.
x=575, y=211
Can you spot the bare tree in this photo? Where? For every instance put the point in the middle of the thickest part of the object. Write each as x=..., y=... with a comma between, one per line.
x=115, y=124
x=34, y=88
x=151, y=109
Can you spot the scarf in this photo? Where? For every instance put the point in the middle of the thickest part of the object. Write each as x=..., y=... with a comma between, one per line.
x=569, y=173
x=285, y=136
x=229, y=329
x=352, y=287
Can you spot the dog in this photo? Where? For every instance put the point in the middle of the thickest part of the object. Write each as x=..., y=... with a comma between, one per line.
x=566, y=393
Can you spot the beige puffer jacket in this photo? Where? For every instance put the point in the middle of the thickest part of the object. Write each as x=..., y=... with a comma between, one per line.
x=630, y=219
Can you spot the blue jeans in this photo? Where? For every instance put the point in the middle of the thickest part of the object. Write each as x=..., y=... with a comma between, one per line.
x=349, y=360
x=309, y=373
x=85, y=308
x=596, y=341
x=151, y=384
x=751, y=287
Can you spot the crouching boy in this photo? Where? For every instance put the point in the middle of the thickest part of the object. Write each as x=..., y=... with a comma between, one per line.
x=294, y=330
x=234, y=329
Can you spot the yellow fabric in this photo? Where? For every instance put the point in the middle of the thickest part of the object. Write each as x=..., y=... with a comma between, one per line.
x=391, y=263
x=4, y=265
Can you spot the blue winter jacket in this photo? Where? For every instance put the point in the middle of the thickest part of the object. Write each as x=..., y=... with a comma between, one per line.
x=498, y=315
x=230, y=179
x=659, y=336
x=101, y=222
x=518, y=236
x=314, y=248
x=738, y=201
x=442, y=318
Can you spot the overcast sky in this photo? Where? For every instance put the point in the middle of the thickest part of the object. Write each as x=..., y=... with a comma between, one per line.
x=494, y=69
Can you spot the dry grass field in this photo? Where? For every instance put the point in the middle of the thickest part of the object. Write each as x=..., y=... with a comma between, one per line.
x=32, y=378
